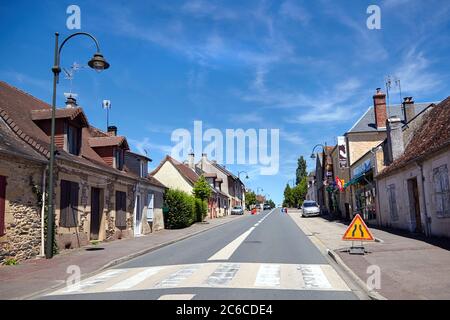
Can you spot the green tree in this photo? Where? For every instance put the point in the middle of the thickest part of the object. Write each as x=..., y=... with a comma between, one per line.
x=250, y=199
x=300, y=173
x=288, y=200
x=271, y=203
x=298, y=193
x=202, y=189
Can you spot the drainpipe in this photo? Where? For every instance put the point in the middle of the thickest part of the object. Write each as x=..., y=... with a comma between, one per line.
x=44, y=176
x=427, y=218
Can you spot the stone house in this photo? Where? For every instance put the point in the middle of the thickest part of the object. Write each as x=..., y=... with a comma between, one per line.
x=22, y=172
x=311, y=193
x=232, y=185
x=341, y=198
x=95, y=195
x=414, y=188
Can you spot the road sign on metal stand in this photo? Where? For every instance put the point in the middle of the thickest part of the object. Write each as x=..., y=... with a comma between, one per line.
x=358, y=231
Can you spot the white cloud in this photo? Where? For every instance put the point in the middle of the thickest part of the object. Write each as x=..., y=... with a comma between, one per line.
x=293, y=11
x=145, y=146
x=415, y=75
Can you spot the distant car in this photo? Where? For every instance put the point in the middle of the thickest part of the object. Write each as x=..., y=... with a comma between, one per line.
x=267, y=206
x=237, y=210
x=310, y=208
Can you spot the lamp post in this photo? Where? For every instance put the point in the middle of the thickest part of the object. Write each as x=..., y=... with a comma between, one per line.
x=246, y=174
x=97, y=63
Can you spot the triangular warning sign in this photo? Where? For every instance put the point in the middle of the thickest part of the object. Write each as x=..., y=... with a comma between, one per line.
x=357, y=230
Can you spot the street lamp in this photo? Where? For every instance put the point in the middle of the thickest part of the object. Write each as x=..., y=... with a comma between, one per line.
x=239, y=174
x=97, y=63
x=324, y=147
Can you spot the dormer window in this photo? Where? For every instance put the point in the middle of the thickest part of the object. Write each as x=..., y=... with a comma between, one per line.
x=143, y=168
x=118, y=158
x=73, y=140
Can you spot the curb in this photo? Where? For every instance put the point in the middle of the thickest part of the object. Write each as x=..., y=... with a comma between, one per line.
x=117, y=261
x=373, y=295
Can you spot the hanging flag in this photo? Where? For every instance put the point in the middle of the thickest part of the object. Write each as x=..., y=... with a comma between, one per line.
x=339, y=184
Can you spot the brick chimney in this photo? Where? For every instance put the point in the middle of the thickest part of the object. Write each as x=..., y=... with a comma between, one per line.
x=112, y=131
x=71, y=102
x=379, y=107
x=410, y=110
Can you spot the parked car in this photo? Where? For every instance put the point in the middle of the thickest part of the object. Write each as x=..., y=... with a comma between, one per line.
x=238, y=210
x=310, y=208
x=267, y=207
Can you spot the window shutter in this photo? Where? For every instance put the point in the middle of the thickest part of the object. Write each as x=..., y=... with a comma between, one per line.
x=2, y=204
x=73, y=209
x=64, y=205
x=121, y=213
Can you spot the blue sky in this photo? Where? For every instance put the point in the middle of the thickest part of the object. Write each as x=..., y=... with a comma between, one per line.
x=308, y=68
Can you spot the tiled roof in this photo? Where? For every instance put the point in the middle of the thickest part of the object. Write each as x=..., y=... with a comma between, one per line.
x=71, y=113
x=367, y=122
x=11, y=144
x=17, y=110
x=432, y=136
x=96, y=142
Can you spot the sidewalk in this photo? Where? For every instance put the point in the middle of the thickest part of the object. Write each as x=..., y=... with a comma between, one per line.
x=411, y=267
x=36, y=275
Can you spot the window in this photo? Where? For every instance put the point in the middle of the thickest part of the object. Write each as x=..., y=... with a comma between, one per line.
x=143, y=168
x=392, y=202
x=69, y=204
x=73, y=140
x=2, y=204
x=118, y=155
x=121, y=209
x=441, y=191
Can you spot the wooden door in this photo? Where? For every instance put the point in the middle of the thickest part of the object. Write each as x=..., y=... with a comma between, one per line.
x=95, y=213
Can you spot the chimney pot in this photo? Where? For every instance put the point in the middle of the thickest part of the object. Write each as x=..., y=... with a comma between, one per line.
x=191, y=160
x=410, y=110
x=71, y=102
x=112, y=131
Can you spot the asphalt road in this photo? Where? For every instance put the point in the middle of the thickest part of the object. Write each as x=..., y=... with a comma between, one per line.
x=264, y=256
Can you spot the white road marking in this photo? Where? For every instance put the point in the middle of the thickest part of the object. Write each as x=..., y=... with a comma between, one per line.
x=314, y=277
x=263, y=276
x=223, y=274
x=179, y=276
x=135, y=280
x=177, y=297
x=226, y=252
x=268, y=276
x=95, y=280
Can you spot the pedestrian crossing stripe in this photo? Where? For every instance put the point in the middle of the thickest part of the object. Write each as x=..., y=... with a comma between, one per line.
x=358, y=231
x=214, y=275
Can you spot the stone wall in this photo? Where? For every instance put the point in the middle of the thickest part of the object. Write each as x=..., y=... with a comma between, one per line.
x=22, y=211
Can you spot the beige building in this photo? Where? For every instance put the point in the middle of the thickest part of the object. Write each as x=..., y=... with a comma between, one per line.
x=232, y=185
x=183, y=176
x=414, y=189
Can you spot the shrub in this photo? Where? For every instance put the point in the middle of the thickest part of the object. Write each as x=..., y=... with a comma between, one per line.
x=11, y=262
x=180, y=205
x=201, y=210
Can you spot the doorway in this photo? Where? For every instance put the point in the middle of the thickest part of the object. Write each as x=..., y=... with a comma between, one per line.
x=414, y=205
x=95, y=213
x=138, y=223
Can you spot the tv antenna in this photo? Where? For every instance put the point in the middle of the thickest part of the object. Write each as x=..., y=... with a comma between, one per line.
x=70, y=73
x=107, y=106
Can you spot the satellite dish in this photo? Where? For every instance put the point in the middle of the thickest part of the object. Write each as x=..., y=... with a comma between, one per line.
x=106, y=104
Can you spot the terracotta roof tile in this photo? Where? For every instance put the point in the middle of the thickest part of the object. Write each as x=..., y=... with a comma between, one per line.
x=432, y=136
x=96, y=142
